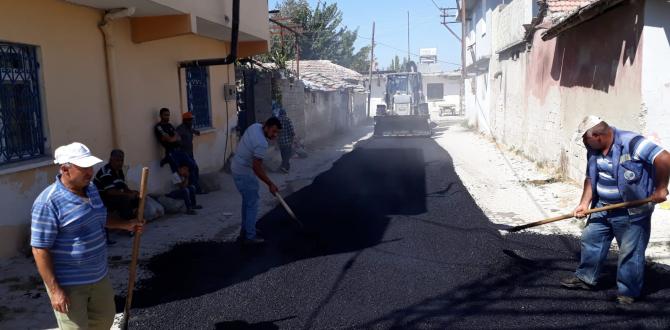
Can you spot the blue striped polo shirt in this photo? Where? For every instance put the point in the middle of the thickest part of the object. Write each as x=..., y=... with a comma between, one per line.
x=606, y=185
x=72, y=229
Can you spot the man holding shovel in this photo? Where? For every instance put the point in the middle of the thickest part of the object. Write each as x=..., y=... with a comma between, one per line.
x=247, y=168
x=68, y=242
x=622, y=166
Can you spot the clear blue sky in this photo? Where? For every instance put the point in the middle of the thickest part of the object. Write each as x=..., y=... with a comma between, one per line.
x=390, y=16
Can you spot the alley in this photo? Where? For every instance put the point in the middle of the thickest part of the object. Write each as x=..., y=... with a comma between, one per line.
x=392, y=238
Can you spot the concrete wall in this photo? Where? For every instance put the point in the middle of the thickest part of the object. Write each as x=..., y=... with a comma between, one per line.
x=76, y=99
x=656, y=71
x=507, y=22
x=325, y=114
x=539, y=97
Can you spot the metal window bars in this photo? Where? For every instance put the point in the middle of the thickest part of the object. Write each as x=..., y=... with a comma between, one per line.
x=21, y=133
x=197, y=90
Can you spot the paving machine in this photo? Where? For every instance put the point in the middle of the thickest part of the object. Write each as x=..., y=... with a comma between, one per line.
x=405, y=112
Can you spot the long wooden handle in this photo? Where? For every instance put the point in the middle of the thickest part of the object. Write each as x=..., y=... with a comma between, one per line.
x=570, y=215
x=288, y=210
x=136, y=248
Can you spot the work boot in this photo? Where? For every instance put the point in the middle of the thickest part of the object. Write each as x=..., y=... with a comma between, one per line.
x=573, y=282
x=624, y=300
x=191, y=212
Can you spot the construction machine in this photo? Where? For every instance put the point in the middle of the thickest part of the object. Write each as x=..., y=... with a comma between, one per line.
x=405, y=112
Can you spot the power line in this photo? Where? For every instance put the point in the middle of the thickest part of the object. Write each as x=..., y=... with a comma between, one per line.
x=403, y=50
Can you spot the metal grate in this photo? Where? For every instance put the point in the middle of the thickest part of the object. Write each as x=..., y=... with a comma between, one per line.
x=197, y=88
x=21, y=134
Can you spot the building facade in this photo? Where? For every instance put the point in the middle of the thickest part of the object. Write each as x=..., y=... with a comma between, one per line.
x=69, y=72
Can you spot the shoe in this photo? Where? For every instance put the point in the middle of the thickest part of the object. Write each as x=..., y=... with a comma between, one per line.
x=176, y=178
x=110, y=242
x=624, y=300
x=191, y=212
x=574, y=282
x=283, y=170
x=253, y=241
x=163, y=162
x=201, y=192
x=197, y=207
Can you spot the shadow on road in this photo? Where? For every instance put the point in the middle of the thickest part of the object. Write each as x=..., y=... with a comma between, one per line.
x=345, y=209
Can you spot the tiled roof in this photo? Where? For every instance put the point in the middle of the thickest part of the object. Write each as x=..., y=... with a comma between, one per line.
x=325, y=75
x=558, y=9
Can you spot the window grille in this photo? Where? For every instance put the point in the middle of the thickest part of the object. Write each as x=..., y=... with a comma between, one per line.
x=197, y=88
x=21, y=133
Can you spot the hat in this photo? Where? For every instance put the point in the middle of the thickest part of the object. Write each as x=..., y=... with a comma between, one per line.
x=587, y=123
x=75, y=153
x=187, y=115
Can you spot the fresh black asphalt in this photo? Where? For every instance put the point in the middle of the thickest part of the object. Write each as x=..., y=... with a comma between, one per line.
x=392, y=239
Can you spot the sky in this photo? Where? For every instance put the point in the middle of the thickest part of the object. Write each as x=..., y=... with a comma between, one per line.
x=390, y=17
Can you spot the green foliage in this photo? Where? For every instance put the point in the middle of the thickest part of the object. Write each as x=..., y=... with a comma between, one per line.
x=322, y=39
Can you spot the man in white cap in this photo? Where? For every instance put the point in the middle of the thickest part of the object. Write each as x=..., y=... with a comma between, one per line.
x=68, y=242
x=622, y=166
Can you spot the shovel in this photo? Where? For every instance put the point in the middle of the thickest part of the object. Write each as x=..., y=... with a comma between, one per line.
x=289, y=211
x=570, y=215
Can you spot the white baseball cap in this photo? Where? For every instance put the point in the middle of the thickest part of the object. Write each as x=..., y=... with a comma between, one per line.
x=75, y=153
x=587, y=123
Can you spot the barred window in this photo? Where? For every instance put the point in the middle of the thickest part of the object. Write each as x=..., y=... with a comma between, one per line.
x=21, y=131
x=197, y=89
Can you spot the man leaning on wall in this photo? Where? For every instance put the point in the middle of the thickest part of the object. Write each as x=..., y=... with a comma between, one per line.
x=68, y=242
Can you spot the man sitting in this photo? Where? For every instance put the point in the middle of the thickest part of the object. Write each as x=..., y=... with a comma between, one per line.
x=111, y=183
x=185, y=191
x=167, y=136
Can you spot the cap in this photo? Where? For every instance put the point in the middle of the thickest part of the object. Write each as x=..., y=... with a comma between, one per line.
x=75, y=153
x=187, y=115
x=587, y=123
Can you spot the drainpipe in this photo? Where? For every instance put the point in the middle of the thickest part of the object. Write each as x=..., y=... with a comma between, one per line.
x=110, y=62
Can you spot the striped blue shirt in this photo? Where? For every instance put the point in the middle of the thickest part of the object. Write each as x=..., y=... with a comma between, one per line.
x=606, y=185
x=72, y=229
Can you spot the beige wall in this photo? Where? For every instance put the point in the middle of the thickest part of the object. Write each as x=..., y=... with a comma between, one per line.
x=149, y=80
x=76, y=99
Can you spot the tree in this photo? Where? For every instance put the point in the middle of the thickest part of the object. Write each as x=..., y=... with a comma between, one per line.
x=322, y=37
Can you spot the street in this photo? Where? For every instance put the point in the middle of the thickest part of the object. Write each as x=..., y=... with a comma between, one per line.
x=392, y=238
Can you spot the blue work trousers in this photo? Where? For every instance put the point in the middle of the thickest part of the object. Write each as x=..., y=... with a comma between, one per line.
x=247, y=185
x=632, y=238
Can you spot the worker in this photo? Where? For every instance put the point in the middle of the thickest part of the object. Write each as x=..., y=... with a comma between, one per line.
x=247, y=166
x=68, y=242
x=285, y=141
x=622, y=166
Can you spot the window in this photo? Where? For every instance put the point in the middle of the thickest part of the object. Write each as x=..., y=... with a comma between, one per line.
x=197, y=90
x=435, y=91
x=21, y=133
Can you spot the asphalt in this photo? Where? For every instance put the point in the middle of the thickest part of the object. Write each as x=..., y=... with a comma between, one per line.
x=392, y=239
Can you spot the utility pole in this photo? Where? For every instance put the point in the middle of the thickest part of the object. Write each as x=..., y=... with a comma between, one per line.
x=372, y=63
x=408, y=49
x=463, y=64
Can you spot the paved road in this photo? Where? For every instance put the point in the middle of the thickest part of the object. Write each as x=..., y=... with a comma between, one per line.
x=392, y=239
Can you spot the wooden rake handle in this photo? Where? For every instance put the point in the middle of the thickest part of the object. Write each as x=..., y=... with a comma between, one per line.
x=132, y=273
x=570, y=215
x=288, y=210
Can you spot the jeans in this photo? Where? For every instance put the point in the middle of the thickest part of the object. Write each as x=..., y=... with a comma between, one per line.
x=186, y=194
x=286, y=153
x=178, y=157
x=247, y=185
x=632, y=237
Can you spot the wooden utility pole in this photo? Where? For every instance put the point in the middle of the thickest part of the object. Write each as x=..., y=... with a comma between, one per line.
x=372, y=63
x=408, y=49
x=463, y=64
